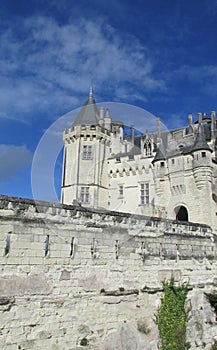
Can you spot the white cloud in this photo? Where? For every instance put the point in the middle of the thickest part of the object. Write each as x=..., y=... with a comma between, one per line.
x=43, y=64
x=13, y=159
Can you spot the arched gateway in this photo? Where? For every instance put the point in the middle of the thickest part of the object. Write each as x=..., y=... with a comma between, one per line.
x=181, y=213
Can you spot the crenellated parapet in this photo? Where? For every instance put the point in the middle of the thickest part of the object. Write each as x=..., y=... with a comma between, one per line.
x=161, y=237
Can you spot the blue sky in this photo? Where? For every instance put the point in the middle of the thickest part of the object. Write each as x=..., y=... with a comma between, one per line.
x=157, y=55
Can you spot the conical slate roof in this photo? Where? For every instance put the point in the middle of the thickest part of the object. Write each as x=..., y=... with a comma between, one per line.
x=89, y=114
x=160, y=153
x=200, y=141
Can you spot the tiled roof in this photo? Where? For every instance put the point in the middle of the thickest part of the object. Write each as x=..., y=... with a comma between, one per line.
x=89, y=114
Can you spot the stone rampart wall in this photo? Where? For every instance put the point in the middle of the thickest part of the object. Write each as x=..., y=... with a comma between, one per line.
x=81, y=279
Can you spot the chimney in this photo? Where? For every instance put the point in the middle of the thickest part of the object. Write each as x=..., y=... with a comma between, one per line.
x=107, y=120
x=101, y=115
x=132, y=133
x=200, y=117
x=101, y=112
x=213, y=125
x=158, y=131
x=190, y=119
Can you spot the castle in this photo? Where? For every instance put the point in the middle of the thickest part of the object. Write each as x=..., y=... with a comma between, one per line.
x=167, y=174
x=87, y=273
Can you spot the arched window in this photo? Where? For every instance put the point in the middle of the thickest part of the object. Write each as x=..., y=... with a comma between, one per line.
x=181, y=213
x=147, y=148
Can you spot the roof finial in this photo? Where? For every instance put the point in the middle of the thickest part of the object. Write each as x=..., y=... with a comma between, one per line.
x=91, y=91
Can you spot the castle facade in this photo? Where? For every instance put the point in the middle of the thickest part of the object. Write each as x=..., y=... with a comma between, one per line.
x=167, y=174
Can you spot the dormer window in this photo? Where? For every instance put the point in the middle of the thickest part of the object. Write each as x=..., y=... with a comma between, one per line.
x=87, y=152
x=148, y=148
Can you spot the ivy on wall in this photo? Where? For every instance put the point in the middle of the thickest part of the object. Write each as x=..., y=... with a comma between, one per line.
x=214, y=345
x=212, y=298
x=172, y=317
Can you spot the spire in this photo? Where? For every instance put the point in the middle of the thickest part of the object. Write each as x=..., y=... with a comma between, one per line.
x=91, y=98
x=91, y=91
x=200, y=141
x=89, y=114
x=158, y=130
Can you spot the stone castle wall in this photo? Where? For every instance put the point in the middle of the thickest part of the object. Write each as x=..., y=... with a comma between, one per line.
x=81, y=279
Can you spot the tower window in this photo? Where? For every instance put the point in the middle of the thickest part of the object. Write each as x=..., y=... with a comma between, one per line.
x=87, y=152
x=144, y=193
x=85, y=195
x=203, y=154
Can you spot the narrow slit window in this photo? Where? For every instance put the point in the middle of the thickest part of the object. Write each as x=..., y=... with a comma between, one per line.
x=46, y=249
x=72, y=248
x=116, y=249
x=147, y=193
x=142, y=193
x=8, y=243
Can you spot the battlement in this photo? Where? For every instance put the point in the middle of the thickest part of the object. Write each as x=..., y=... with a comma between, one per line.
x=89, y=131
x=161, y=238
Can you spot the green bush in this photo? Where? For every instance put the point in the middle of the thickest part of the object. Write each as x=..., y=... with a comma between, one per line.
x=84, y=342
x=214, y=345
x=172, y=317
x=212, y=298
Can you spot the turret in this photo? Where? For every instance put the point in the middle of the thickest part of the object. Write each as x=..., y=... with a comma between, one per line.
x=202, y=162
x=86, y=146
x=159, y=163
x=160, y=155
